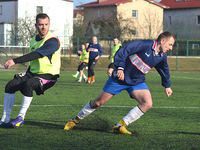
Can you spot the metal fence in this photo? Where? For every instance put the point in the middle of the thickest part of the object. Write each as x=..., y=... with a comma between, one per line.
x=187, y=48
x=181, y=47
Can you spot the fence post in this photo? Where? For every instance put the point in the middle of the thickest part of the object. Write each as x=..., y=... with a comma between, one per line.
x=177, y=56
x=187, y=48
x=78, y=41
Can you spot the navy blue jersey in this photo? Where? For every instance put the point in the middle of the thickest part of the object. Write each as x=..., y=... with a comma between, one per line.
x=137, y=58
x=95, y=50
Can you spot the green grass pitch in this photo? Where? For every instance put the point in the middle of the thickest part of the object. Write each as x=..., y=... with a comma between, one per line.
x=172, y=124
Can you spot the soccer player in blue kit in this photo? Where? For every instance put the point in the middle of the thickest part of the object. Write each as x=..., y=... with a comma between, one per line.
x=133, y=61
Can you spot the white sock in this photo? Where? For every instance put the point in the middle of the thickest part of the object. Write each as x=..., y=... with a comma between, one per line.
x=77, y=73
x=85, y=111
x=84, y=76
x=80, y=78
x=133, y=115
x=9, y=100
x=26, y=101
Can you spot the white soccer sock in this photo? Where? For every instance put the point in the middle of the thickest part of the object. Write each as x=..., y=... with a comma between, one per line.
x=84, y=76
x=77, y=73
x=85, y=111
x=80, y=78
x=9, y=100
x=133, y=115
x=26, y=101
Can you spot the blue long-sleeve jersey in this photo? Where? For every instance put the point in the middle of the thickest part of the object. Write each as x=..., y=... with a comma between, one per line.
x=137, y=58
x=95, y=50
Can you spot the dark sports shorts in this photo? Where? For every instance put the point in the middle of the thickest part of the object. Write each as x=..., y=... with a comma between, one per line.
x=27, y=83
x=82, y=65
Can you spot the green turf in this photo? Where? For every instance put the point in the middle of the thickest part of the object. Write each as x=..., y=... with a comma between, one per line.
x=169, y=125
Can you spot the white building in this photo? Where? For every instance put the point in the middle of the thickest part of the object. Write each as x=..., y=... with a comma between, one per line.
x=59, y=11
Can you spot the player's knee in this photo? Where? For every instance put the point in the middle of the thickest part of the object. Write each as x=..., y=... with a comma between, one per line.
x=98, y=104
x=93, y=104
x=29, y=87
x=148, y=104
x=9, y=88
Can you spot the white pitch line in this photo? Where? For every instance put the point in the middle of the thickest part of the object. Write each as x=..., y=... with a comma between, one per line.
x=185, y=78
x=161, y=107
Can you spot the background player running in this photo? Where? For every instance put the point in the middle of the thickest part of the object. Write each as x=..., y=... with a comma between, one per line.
x=95, y=51
x=116, y=47
x=84, y=58
x=133, y=61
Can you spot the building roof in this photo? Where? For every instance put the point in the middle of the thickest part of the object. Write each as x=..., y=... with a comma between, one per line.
x=115, y=3
x=78, y=11
x=7, y=0
x=17, y=0
x=174, y=4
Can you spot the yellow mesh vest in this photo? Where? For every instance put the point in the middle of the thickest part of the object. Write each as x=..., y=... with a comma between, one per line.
x=43, y=65
x=114, y=50
x=84, y=56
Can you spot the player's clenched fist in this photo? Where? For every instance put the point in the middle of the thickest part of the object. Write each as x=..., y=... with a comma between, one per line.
x=120, y=75
x=168, y=91
x=9, y=63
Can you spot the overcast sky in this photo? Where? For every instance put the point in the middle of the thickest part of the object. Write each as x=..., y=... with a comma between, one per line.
x=79, y=2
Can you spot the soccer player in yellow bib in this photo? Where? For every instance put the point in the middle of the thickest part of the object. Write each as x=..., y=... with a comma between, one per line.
x=116, y=47
x=84, y=58
x=41, y=75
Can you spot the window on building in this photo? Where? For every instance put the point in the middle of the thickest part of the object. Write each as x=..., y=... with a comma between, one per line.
x=134, y=32
x=39, y=9
x=1, y=10
x=99, y=12
x=170, y=19
x=198, y=20
x=178, y=0
x=134, y=13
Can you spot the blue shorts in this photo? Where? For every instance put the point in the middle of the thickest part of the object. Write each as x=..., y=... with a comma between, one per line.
x=113, y=87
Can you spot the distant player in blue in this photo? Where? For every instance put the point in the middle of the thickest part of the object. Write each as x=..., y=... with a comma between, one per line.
x=133, y=61
x=95, y=52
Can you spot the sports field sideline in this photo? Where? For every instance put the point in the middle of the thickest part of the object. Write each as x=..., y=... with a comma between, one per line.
x=172, y=123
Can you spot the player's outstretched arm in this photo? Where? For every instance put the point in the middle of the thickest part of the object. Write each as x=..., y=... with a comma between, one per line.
x=168, y=91
x=9, y=64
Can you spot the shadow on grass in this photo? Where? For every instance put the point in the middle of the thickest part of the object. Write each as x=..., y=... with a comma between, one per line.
x=98, y=124
x=94, y=123
x=44, y=124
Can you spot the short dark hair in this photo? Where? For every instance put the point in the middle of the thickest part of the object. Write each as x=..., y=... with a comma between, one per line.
x=165, y=34
x=41, y=16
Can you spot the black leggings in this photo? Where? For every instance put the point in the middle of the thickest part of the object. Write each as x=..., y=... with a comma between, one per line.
x=91, y=65
x=82, y=66
x=26, y=83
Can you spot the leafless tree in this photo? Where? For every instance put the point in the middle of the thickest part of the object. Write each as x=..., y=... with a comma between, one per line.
x=24, y=30
x=152, y=25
